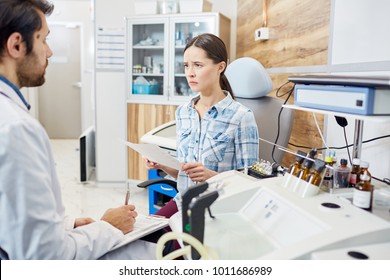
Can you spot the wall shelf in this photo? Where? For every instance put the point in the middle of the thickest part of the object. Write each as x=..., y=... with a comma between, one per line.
x=374, y=118
x=359, y=122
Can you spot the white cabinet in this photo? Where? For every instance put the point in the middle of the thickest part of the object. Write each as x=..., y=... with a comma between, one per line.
x=155, y=45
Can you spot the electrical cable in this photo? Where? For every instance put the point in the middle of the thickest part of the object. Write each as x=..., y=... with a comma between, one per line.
x=189, y=239
x=289, y=92
x=347, y=147
x=319, y=131
x=339, y=148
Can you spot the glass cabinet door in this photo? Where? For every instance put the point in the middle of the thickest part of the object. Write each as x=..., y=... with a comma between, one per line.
x=182, y=31
x=147, y=58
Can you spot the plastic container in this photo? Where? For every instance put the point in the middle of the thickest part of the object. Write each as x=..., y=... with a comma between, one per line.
x=145, y=89
x=341, y=175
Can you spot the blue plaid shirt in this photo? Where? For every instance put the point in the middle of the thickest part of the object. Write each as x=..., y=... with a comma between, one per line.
x=225, y=139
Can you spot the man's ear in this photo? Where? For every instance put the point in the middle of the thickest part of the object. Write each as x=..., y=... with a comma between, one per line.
x=15, y=45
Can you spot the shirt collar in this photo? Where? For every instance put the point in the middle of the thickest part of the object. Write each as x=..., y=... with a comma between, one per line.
x=220, y=106
x=12, y=86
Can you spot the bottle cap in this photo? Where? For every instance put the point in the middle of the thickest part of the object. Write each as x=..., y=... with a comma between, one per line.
x=365, y=177
x=301, y=156
x=356, y=161
x=364, y=164
x=319, y=165
x=343, y=161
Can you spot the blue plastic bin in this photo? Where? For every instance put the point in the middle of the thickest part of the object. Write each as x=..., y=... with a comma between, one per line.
x=145, y=89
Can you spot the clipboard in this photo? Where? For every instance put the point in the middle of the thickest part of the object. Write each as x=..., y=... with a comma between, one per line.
x=143, y=226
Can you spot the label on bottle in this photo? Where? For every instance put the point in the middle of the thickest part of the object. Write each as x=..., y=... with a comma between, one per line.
x=361, y=199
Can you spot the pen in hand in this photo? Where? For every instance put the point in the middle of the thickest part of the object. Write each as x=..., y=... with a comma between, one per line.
x=127, y=196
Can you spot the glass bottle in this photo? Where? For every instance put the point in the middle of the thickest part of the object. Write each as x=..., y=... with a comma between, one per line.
x=316, y=177
x=364, y=165
x=328, y=177
x=363, y=193
x=341, y=175
x=354, y=177
x=305, y=171
x=296, y=166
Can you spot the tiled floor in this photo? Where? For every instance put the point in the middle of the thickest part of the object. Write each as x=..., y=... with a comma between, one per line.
x=87, y=199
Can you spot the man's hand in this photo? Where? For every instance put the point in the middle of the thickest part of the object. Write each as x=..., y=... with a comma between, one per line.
x=123, y=218
x=82, y=222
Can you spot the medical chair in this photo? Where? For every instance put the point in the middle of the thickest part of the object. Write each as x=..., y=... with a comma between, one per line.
x=250, y=83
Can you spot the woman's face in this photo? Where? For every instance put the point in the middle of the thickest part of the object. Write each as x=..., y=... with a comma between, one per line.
x=201, y=72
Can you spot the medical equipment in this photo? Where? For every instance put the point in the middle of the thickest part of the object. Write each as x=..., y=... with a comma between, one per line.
x=264, y=219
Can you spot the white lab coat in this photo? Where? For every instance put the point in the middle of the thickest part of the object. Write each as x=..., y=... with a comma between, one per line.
x=32, y=221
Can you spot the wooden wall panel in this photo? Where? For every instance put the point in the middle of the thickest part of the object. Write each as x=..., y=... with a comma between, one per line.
x=299, y=32
x=141, y=119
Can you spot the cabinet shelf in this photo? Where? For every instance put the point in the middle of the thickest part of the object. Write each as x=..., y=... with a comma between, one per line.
x=140, y=47
x=159, y=41
x=148, y=74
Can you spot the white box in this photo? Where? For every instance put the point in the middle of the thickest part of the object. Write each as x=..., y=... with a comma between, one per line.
x=145, y=7
x=195, y=6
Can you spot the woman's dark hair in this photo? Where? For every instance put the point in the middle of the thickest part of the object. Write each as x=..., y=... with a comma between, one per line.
x=215, y=49
x=21, y=16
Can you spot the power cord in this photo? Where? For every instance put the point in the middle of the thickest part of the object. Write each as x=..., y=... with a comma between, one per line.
x=289, y=93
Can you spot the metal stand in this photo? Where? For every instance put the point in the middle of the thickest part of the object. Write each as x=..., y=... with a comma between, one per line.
x=357, y=139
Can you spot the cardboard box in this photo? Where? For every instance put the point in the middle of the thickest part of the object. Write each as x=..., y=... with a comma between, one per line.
x=195, y=6
x=145, y=7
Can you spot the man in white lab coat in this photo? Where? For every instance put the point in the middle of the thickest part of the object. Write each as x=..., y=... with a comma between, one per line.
x=32, y=221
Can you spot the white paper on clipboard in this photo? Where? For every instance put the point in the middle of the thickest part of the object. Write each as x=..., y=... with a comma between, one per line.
x=156, y=154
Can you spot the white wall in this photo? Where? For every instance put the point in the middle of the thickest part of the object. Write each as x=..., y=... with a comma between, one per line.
x=360, y=35
x=81, y=11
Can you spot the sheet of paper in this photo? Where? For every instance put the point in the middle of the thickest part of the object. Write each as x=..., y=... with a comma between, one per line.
x=156, y=154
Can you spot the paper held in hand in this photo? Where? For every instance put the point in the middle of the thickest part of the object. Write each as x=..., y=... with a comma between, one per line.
x=156, y=154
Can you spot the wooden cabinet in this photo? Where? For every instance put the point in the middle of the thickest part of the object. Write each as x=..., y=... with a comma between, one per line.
x=142, y=118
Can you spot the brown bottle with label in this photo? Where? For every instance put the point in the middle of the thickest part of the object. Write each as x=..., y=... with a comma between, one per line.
x=363, y=193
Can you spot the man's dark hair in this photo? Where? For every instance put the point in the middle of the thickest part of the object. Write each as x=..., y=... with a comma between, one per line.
x=21, y=16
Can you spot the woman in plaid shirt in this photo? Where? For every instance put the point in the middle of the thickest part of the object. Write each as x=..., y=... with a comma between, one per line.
x=214, y=132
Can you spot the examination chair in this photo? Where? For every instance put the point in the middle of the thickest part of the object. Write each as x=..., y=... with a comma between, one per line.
x=251, y=83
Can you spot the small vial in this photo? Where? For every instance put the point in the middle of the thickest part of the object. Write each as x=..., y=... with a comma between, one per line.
x=294, y=168
x=316, y=177
x=354, y=178
x=364, y=165
x=305, y=172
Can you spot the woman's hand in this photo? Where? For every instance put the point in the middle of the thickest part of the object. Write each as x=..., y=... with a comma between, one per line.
x=197, y=172
x=150, y=165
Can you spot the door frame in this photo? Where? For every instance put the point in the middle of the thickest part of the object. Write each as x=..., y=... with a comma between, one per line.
x=34, y=95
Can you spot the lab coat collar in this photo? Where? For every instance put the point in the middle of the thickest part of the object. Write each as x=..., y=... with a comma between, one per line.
x=7, y=88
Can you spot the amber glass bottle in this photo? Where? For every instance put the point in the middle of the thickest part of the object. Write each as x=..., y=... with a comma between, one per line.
x=363, y=193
